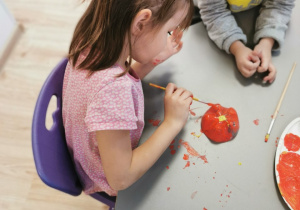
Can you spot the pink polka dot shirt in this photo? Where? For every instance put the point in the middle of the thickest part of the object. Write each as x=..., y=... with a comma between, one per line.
x=101, y=101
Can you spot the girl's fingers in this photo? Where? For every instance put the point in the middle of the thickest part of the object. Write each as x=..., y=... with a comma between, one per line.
x=170, y=89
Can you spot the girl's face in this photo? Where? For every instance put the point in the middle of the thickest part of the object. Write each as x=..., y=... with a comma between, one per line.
x=151, y=43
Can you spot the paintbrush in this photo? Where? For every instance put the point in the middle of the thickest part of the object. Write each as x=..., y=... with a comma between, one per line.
x=279, y=103
x=195, y=99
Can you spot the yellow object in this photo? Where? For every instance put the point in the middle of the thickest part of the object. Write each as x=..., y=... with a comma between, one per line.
x=240, y=163
x=267, y=137
x=241, y=5
x=222, y=118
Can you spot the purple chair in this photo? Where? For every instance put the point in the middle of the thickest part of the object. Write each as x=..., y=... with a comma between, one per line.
x=51, y=156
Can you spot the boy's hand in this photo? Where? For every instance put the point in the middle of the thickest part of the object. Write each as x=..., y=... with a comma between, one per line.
x=247, y=62
x=263, y=51
x=174, y=45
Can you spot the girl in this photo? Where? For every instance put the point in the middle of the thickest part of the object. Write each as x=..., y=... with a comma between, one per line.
x=103, y=103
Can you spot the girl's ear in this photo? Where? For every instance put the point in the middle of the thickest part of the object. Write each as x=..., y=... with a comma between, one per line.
x=140, y=21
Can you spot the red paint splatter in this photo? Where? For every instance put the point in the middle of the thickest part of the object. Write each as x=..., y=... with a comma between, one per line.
x=256, y=122
x=187, y=164
x=197, y=120
x=167, y=167
x=192, y=151
x=168, y=188
x=193, y=194
x=220, y=124
x=192, y=113
x=173, y=151
x=204, y=208
x=186, y=157
x=154, y=122
x=289, y=174
x=292, y=142
x=194, y=134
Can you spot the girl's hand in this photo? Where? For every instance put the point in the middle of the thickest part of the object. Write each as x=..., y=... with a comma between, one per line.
x=177, y=105
x=174, y=45
x=263, y=51
x=247, y=62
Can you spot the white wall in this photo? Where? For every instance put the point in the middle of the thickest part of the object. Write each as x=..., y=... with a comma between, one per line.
x=7, y=24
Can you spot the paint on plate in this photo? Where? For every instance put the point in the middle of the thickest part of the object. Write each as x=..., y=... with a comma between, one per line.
x=289, y=178
x=292, y=142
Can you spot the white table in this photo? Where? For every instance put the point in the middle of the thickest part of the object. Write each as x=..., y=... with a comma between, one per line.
x=240, y=173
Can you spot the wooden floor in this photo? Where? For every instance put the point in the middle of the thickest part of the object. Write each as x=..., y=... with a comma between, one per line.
x=48, y=25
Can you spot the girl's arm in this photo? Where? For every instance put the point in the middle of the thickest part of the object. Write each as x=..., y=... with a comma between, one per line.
x=122, y=165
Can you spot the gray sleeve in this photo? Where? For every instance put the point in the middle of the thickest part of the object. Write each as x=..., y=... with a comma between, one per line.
x=220, y=23
x=273, y=21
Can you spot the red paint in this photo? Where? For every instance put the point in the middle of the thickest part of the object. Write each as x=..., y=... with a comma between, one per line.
x=154, y=122
x=289, y=173
x=192, y=113
x=173, y=151
x=193, y=194
x=204, y=208
x=193, y=152
x=187, y=164
x=256, y=122
x=171, y=146
x=167, y=167
x=186, y=157
x=220, y=124
x=173, y=141
x=168, y=188
x=292, y=142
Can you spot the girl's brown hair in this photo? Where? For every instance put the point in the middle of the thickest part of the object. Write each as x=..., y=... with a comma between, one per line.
x=103, y=28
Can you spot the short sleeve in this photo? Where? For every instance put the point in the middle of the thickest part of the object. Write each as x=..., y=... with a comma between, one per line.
x=112, y=108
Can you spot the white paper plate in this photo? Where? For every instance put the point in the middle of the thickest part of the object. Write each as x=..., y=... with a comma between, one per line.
x=294, y=128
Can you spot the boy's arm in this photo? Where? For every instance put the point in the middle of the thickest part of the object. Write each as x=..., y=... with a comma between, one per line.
x=273, y=21
x=220, y=23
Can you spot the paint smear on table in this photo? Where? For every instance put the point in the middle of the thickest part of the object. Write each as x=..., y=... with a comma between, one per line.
x=256, y=122
x=192, y=113
x=168, y=188
x=154, y=122
x=193, y=194
x=196, y=135
x=171, y=147
x=225, y=196
x=292, y=142
x=192, y=151
x=187, y=164
x=289, y=178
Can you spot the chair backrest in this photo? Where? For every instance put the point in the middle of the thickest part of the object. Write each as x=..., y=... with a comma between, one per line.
x=51, y=156
x=52, y=159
